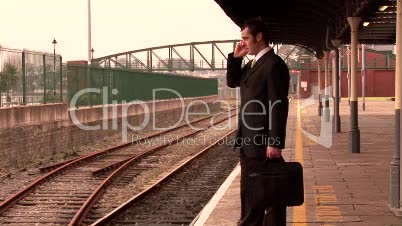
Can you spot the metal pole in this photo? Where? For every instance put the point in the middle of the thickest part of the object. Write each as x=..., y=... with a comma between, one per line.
x=333, y=70
x=213, y=56
x=170, y=63
x=337, y=93
x=354, y=133
x=363, y=77
x=298, y=85
x=89, y=80
x=348, y=77
x=150, y=60
x=54, y=71
x=44, y=79
x=337, y=119
x=24, y=84
x=89, y=31
x=192, y=60
x=387, y=61
x=395, y=189
x=340, y=75
x=326, y=88
x=129, y=59
x=319, y=87
x=61, y=79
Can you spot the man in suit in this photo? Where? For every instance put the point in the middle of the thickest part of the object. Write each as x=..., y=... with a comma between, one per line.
x=264, y=84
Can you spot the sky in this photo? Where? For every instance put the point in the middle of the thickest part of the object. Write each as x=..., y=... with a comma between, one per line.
x=117, y=26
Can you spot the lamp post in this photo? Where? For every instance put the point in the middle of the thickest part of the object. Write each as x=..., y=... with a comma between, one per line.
x=92, y=55
x=89, y=30
x=54, y=66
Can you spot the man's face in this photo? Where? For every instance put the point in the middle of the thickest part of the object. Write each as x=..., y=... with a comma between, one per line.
x=250, y=41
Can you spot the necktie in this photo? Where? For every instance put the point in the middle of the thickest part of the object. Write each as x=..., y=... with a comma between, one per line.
x=252, y=63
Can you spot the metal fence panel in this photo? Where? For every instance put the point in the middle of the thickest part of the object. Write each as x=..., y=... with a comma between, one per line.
x=28, y=77
x=116, y=86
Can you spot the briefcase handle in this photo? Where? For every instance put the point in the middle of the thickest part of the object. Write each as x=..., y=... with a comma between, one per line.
x=274, y=160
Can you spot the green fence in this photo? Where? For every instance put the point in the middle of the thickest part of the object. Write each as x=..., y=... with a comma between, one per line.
x=28, y=77
x=118, y=85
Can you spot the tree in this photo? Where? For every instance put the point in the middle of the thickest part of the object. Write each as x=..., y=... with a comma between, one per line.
x=295, y=55
x=8, y=79
x=34, y=76
x=289, y=52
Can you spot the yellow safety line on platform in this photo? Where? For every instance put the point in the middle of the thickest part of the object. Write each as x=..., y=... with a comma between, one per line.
x=299, y=212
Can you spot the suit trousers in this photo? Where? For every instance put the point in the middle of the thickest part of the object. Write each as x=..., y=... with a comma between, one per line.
x=252, y=215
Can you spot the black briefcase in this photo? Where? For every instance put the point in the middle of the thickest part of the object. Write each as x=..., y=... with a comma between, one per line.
x=276, y=183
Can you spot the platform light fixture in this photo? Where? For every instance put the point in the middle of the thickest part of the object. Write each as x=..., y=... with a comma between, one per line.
x=366, y=24
x=382, y=8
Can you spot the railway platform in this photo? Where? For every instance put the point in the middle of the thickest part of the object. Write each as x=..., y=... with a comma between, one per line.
x=341, y=188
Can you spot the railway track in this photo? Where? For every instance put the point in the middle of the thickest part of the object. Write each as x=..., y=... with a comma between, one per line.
x=56, y=197
x=178, y=197
x=112, y=149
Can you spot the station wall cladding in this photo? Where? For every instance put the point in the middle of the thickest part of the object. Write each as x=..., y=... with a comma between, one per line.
x=33, y=134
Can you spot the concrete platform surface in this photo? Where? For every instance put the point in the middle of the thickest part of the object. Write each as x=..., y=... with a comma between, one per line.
x=341, y=188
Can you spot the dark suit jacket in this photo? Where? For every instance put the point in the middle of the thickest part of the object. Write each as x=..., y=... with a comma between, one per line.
x=263, y=87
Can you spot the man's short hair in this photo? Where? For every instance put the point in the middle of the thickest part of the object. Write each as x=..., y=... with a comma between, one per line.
x=256, y=26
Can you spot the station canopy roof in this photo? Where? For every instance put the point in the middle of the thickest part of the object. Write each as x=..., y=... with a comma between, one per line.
x=305, y=22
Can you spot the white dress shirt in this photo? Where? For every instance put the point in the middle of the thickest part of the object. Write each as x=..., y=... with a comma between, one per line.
x=261, y=53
